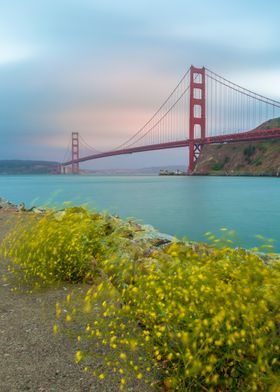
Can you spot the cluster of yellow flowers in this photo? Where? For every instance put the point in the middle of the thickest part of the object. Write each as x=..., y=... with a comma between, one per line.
x=60, y=245
x=183, y=317
x=107, y=332
x=49, y=248
x=213, y=316
x=206, y=317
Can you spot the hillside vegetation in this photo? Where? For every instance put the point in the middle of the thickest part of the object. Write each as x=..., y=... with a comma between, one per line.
x=258, y=158
x=27, y=167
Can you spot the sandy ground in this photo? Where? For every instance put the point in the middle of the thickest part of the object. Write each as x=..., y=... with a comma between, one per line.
x=32, y=358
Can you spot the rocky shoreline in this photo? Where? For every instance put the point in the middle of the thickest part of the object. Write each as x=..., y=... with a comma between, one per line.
x=143, y=232
x=7, y=205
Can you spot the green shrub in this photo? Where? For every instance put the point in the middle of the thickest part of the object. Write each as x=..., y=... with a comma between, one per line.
x=249, y=151
x=217, y=166
x=220, y=165
x=263, y=147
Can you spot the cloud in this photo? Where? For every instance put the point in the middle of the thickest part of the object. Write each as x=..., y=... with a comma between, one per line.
x=103, y=67
x=14, y=53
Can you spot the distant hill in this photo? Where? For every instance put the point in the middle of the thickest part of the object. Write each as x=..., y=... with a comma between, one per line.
x=28, y=167
x=257, y=158
x=146, y=171
x=47, y=167
x=273, y=123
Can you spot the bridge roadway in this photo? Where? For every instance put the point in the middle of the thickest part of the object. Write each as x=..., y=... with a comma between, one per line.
x=259, y=134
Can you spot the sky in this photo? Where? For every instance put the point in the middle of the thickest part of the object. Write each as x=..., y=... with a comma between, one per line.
x=103, y=67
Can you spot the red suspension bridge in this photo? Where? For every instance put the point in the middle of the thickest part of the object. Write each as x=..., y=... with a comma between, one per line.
x=203, y=108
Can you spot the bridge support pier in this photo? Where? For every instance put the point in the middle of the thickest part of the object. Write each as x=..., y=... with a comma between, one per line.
x=197, y=113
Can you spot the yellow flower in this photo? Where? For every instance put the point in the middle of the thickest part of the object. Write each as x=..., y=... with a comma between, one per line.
x=58, y=310
x=170, y=356
x=215, y=378
x=68, y=318
x=55, y=328
x=78, y=356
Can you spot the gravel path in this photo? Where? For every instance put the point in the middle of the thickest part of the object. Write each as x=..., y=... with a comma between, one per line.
x=32, y=358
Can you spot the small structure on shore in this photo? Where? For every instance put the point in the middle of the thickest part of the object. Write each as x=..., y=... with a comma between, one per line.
x=166, y=172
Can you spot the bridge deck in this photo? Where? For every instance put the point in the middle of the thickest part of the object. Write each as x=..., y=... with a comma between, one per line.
x=259, y=134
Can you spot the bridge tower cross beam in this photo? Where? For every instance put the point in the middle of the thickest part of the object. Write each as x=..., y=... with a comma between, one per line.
x=75, y=153
x=197, y=114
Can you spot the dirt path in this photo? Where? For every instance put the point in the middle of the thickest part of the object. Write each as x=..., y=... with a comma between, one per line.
x=32, y=358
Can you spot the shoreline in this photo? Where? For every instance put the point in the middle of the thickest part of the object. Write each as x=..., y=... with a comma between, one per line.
x=27, y=318
x=145, y=231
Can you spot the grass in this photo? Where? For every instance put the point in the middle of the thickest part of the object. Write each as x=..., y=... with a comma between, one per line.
x=220, y=165
x=273, y=123
x=183, y=317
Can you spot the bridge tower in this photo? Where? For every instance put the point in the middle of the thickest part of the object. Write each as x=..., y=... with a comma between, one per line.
x=197, y=119
x=75, y=153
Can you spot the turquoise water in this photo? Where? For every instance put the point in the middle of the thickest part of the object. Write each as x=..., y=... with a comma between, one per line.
x=181, y=206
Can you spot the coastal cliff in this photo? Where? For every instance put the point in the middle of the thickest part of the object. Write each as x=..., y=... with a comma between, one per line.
x=258, y=158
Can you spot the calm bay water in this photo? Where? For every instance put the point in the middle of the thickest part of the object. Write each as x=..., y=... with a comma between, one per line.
x=181, y=206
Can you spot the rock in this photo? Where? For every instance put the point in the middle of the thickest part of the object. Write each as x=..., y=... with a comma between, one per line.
x=21, y=207
x=36, y=210
x=6, y=205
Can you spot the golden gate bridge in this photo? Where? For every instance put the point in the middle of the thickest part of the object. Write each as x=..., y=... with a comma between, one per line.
x=203, y=108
